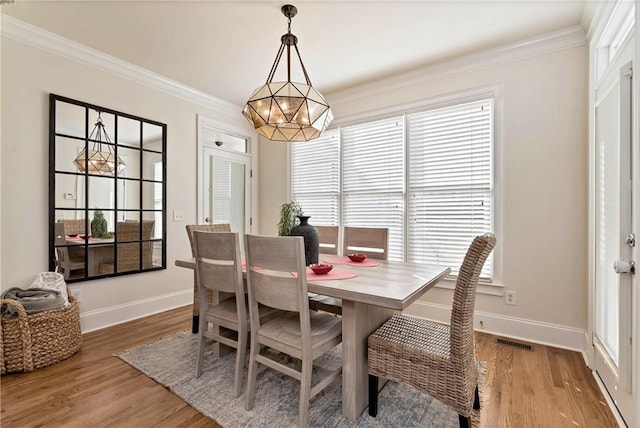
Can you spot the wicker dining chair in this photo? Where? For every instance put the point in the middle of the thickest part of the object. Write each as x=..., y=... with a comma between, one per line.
x=436, y=359
x=223, y=227
x=73, y=225
x=129, y=240
x=371, y=241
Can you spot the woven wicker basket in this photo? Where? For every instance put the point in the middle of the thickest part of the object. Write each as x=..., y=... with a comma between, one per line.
x=30, y=342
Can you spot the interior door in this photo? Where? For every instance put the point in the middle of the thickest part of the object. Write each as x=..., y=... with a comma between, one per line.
x=614, y=235
x=227, y=193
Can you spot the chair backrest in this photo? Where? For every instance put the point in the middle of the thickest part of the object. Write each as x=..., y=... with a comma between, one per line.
x=371, y=241
x=129, y=253
x=223, y=227
x=73, y=225
x=464, y=298
x=276, y=272
x=328, y=239
x=219, y=265
x=60, y=239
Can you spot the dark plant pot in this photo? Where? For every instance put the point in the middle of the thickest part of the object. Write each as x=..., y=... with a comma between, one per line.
x=311, y=240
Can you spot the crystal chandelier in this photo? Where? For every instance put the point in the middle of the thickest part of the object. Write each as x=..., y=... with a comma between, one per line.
x=288, y=111
x=97, y=161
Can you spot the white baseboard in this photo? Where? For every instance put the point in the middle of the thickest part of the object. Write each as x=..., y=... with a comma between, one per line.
x=554, y=335
x=101, y=318
x=587, y=349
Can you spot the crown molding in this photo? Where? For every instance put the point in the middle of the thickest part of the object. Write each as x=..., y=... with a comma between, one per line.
x=555, y=41
x=36, y=37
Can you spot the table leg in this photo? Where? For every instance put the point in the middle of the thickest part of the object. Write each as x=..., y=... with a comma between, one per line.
x=195, y=323
x=359, y=320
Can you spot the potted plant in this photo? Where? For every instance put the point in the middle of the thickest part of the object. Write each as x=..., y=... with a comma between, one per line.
x=99, y=225
x=289, y=212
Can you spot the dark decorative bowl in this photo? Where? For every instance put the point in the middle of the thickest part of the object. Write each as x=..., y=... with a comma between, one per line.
x=72, y=235
x=356, y=257
x=82, y=236
x=321, y=269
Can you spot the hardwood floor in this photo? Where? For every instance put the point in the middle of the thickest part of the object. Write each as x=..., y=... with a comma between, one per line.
x=546, y=387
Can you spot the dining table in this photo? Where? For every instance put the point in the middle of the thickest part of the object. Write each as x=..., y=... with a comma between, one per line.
x=372, y=296
x=99, y=250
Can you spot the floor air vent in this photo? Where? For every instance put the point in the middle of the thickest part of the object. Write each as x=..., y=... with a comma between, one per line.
x=515, y=344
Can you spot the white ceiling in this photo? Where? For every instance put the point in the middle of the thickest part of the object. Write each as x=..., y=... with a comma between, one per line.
x=226, y=48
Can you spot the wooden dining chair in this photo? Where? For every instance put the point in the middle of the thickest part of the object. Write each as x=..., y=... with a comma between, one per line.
x=436, y=359
x=299, y=333
x=370, y=241
x=212, y=297
x=67, y=260
x=373, y=242
x=328, y=239
x=219, y=268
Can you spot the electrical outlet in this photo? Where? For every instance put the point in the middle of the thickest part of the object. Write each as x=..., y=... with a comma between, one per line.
x=77, y=294
x=510, y=297
x=178, y=215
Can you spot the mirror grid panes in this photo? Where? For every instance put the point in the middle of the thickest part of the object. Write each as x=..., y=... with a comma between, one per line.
x=107, y=191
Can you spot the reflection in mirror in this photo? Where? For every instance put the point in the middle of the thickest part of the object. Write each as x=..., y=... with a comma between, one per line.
x=107, y=194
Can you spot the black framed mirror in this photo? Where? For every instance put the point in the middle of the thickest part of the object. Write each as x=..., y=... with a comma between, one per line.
x=107, y=191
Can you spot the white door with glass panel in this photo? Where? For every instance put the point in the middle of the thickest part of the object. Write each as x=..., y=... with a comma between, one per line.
x=224, y=175
x=614, y=234
x=226, y=196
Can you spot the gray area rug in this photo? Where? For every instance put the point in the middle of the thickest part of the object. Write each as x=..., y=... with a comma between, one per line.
x=171, y=362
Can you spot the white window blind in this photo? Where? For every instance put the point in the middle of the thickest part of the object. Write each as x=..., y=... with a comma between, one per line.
x=373, y=179
x=315, y=178
x=450, y=182
x=221, y=191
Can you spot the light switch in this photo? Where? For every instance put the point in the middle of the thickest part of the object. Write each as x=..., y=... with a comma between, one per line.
x=69, y=196
x=178, y=215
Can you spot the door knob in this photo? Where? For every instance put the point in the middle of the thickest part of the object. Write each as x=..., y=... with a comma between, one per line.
x=206, y=220
x=621, y=266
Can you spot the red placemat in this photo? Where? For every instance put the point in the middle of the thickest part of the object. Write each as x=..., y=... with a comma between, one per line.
x=347, y=261
x=334, y=274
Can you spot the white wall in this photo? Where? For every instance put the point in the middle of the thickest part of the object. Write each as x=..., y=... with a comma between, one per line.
x=28, y=76
x=544, y=172
x=544, y=127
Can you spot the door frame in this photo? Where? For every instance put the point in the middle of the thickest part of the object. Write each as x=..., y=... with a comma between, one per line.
x=597, y=29
x=206, y=125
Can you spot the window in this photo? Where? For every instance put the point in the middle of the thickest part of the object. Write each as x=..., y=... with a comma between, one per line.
x=426, y=175
x=616, y=32
x=315, y=178
x=373, y=179
x=449, y=182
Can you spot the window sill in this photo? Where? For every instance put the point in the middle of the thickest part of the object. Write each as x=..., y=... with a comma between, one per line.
x=484, y=286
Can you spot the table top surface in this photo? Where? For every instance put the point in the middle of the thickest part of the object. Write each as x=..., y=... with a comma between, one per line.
x=391, y=284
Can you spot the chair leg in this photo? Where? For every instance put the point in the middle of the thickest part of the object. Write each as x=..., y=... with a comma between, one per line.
x=476, y=399
x=253, y=373
x=241, y=353
x=305, y=391
x=202, y=344
x=373, y=395
x=465, y=422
